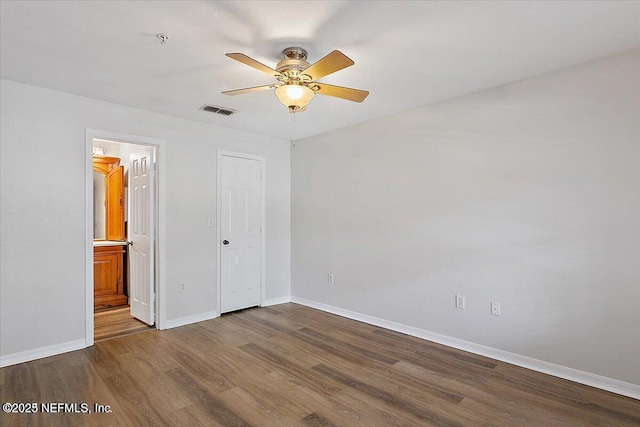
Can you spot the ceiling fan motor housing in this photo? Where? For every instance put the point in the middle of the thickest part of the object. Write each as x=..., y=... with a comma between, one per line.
x=294, y=53
x=293, y=64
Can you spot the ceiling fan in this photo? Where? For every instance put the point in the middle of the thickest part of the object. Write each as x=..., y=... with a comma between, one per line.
x=297, y=79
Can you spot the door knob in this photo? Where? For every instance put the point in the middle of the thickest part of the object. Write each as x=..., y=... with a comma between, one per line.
x=225, y=242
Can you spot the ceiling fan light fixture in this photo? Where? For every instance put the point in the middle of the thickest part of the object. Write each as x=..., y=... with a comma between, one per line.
x=294, y=97
x=297, y=79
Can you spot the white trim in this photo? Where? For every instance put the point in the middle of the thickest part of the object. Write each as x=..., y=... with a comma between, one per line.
x=88, y=249
x=161, y=205
x=39, y=353
x=218, y=304
x=593, y=380
x=175, y=323
x=263, y=179
x=159, y=144
x=275, y=301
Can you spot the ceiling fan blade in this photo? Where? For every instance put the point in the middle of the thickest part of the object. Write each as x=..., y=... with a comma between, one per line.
x=335, y=61
x=250, y=89
x=347, y=93
x=253, y=63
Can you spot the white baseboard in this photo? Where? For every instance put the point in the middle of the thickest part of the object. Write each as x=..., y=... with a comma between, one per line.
x=593, y=380
x=52, y=350
x=276, y=301
x=187, y=320
x=39, y=353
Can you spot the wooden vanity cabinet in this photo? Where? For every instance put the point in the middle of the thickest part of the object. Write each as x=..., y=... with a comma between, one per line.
x=108, y=287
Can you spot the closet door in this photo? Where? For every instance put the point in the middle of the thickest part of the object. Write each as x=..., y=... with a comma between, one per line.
x=241, y=215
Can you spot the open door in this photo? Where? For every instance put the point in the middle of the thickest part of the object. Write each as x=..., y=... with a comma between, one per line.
x=141, y=235
x=114, y=204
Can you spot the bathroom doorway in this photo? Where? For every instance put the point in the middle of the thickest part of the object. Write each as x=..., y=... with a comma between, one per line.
x=123, y=217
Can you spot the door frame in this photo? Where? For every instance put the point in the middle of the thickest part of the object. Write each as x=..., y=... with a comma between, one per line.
x=262, y=160
x=160, y=205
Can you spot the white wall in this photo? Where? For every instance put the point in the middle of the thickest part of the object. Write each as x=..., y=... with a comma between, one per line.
x=42, y=249
x=527, y=194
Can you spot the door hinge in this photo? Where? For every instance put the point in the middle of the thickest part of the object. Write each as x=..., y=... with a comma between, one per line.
x=154, y=166
x=153, y=297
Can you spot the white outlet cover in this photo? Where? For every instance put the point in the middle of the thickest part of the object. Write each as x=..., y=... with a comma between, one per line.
x=460, y=301
x=495, y=308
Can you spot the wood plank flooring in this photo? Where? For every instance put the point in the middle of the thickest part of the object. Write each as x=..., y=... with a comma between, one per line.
x=116, y=322
x=289, y=365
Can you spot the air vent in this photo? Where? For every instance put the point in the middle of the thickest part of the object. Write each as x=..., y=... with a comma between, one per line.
x=218, y=110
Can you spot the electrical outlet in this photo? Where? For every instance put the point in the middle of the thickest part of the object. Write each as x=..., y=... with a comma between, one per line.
x=330, y=278
x=495, y=308
x=460, y=301
x=183, y=287
x=211, y=222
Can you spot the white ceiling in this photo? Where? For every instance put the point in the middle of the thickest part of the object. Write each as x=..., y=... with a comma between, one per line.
x=407, y=54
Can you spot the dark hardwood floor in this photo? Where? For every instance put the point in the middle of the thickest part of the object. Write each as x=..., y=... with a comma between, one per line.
x=291, y=365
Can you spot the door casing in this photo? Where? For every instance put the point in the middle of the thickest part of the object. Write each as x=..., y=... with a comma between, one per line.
x=220, y=154
x=159, y=144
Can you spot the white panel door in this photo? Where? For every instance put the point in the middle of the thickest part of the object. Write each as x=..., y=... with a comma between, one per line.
x=240, y=233
x=141, y=232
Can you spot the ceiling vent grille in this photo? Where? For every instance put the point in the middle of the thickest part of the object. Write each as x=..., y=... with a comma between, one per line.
x=218, y=110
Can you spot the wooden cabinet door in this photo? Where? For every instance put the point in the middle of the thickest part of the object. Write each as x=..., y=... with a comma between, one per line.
x=107, y=277
x=105, y=274
x=114, y=195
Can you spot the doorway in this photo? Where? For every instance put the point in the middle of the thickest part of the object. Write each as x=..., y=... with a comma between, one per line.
x=241, y=243
x=123, y=251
